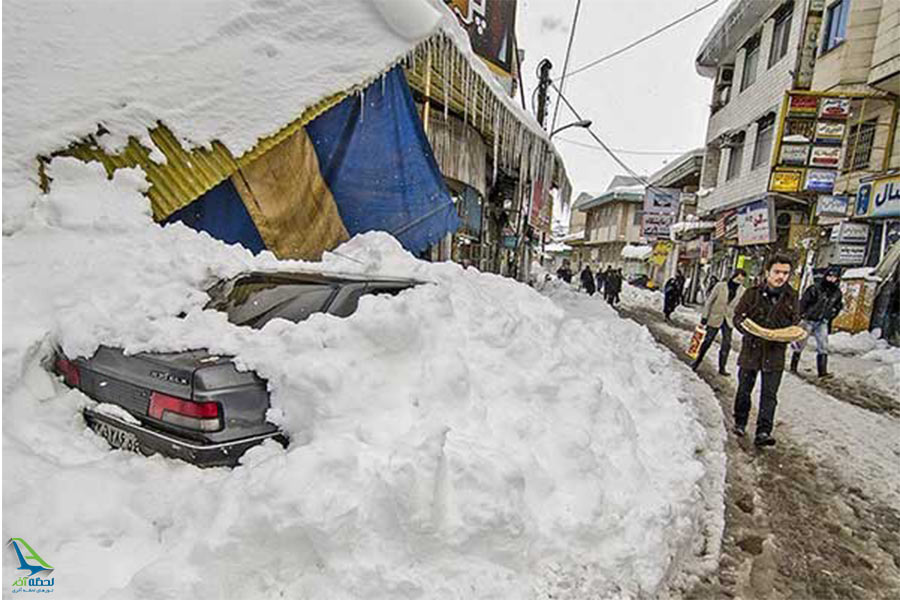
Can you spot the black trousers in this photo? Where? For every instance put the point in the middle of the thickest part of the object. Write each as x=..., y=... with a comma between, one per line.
x=768, y=398
x=724, y=348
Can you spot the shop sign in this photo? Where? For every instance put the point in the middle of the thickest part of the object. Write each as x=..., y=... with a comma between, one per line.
x=654, y=227
x=825, y=156
x=803, y=105
x=799, y=130
x=879, y=198
x=850, y=233
x=832, y=206
x=510, y=242
x=835, y=108
x=849, y=254
x=830, y=132
x=661, y=252
x=793, y=154
x=755, y=223
x=820, y=181
x=787, y=180
x=706, y=250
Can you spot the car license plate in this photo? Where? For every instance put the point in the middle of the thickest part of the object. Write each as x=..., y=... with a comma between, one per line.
x=118, y=438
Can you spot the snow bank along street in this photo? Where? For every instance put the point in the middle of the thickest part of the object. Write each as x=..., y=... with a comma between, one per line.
x=423, y=457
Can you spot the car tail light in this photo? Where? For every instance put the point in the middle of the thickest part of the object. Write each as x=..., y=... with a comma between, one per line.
x=202, y=416
x=69, y=371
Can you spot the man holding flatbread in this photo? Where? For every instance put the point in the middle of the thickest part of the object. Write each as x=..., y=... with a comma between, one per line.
x=766, y=315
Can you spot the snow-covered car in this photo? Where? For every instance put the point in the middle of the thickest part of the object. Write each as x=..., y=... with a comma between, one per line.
x=195, y=405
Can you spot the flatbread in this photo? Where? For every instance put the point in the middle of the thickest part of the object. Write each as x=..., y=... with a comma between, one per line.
x=793, y=333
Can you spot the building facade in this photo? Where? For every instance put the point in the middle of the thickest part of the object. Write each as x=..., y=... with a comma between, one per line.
x=612, y=221
x=752, y=56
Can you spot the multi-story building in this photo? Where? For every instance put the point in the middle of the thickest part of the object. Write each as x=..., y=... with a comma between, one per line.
x=860, y=54
x=752, y=56
x=689, y=237
x=613, y=220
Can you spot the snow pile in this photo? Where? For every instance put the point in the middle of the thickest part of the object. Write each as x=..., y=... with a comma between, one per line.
x=467, y=438
x=855, y=343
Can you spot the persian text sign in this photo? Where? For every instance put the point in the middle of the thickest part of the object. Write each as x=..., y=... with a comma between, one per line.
x=755, y=223
x=787, y=180
x=793, y=154
x=879, y=198
x=660, y=212
x=832, y=206
x=825, y=156
x=820, y=180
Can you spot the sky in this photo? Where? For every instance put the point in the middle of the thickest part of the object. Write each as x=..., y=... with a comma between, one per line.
x=649, y=99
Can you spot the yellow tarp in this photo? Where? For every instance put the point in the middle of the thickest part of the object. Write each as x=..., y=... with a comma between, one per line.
x=289, y=201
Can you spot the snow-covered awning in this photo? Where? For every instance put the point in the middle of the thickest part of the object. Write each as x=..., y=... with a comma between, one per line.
x=683, y=227
x=637, y=252
x=229, y=79
x=557, y=247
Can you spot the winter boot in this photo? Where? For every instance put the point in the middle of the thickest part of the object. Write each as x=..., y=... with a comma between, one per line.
x=763, y=439
x=795, y=362
x=822, y=365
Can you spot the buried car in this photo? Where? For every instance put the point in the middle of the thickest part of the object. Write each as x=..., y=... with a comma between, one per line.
x=195, y=405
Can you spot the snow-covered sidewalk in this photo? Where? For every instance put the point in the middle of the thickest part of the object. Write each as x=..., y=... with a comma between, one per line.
x=862, y=445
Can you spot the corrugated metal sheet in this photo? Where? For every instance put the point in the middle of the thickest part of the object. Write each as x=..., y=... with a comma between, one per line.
x=186, y=174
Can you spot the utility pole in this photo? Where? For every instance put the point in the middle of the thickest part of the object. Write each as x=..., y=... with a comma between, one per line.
x=543, y=83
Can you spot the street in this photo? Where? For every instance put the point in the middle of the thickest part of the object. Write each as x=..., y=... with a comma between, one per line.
x=800, y=520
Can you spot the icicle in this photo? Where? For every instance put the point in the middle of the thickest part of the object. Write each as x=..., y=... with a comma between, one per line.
x=496, y=150
x=465, y=89
x=382, y=85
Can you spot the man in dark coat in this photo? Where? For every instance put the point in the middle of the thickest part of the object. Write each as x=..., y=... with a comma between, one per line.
x=613, y=286
x=601, y=281
x=773, y=305
x=587, y=280
x=565, y=272
x=672, y=294
x=820, y=304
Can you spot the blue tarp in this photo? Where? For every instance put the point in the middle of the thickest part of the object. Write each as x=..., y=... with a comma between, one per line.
x=221, y=213
x=380, y=167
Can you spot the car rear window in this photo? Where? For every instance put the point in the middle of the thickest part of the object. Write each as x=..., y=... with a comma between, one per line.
x=254, y=301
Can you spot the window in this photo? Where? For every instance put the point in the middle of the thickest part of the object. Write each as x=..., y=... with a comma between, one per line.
x=781, y=34
x=751, y=58
x=765, y=130
x=735, y=156
x=859, y=146
x=638, y=214
x=836, y=24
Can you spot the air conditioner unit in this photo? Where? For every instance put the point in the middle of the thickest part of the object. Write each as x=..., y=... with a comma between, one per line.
x=725, y=76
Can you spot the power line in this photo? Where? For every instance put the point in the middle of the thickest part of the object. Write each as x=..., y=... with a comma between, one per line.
x=620, y=150
x=642, y=40
x=643, y=179
x=562, y=80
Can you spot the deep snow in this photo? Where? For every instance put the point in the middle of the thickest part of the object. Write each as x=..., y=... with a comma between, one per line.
x=468, y=438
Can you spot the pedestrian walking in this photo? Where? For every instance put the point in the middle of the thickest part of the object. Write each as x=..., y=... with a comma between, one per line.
x=718, y=315
x=819, y=305
x=565, y=272
x=587, y=280
x=601, y=281
x=614, y=286
x=672, y=292
x=772, y=305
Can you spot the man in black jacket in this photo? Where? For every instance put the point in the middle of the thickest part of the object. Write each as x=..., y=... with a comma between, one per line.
x=820, y=304
x=772, y=305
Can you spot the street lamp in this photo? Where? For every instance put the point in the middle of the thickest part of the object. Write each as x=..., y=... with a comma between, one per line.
x=582, y=123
